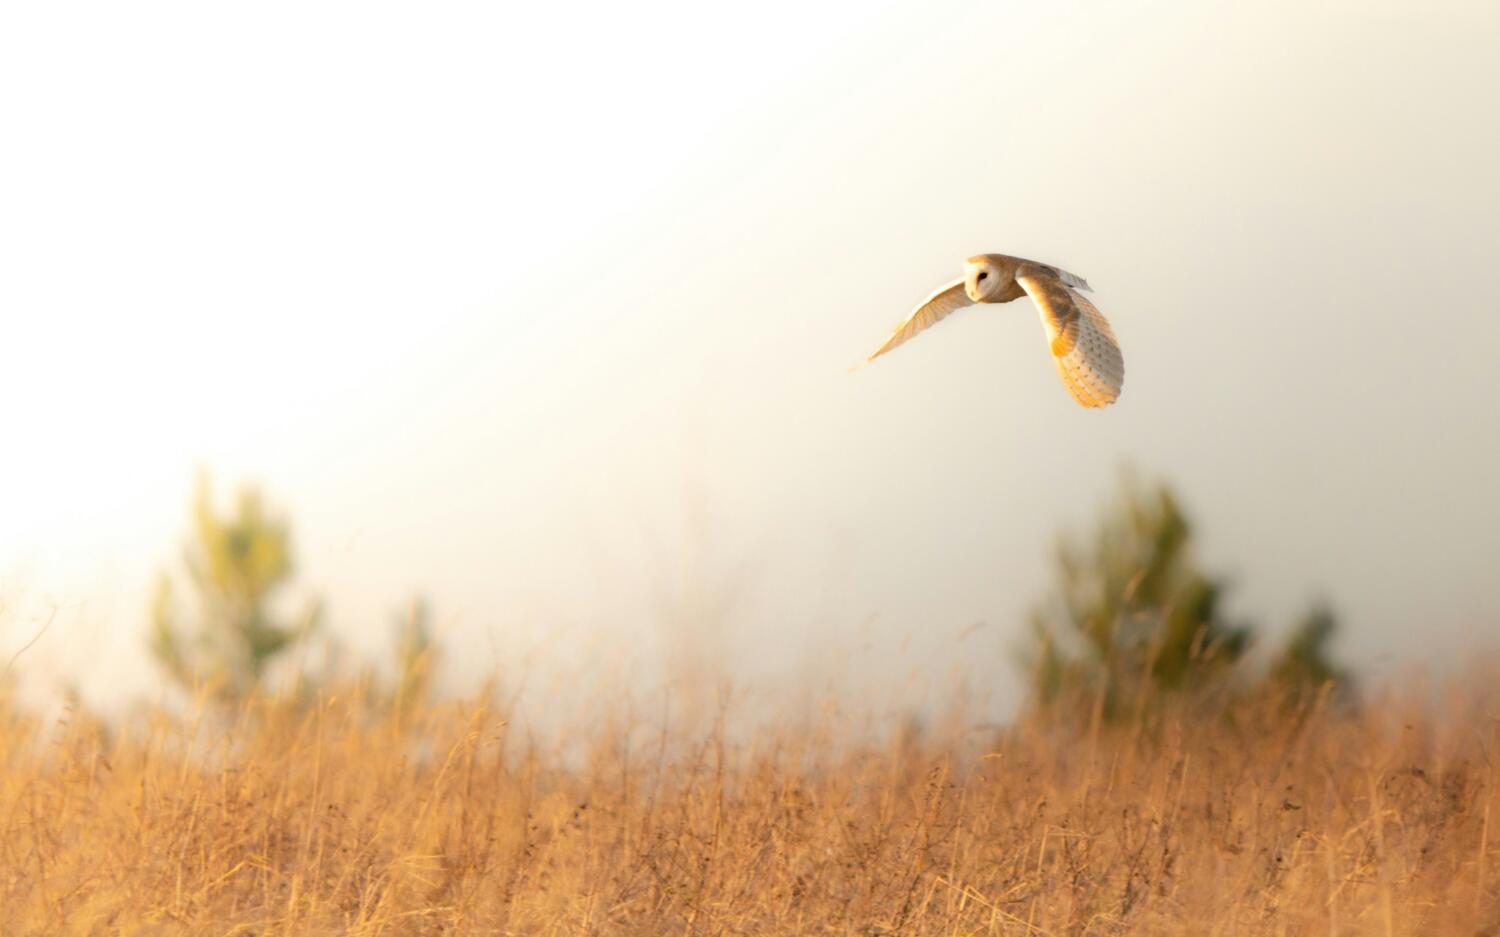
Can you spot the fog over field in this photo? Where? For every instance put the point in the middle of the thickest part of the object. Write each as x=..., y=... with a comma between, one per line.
x=548, y=313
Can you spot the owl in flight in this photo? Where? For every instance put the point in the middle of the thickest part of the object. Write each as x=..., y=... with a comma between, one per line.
x=1082, y=343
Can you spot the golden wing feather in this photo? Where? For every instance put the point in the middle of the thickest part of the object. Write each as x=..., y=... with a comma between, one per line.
x=1082, y=343
x=932, y=310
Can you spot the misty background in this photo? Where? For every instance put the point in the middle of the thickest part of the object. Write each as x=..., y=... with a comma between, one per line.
x=548, y=315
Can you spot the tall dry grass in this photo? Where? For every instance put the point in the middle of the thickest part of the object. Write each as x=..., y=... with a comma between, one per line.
x=453, y=820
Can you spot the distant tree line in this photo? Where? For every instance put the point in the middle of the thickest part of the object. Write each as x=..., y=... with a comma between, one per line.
x=1133, y=619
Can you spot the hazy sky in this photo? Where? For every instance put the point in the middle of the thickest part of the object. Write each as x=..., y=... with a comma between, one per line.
x=546, y=312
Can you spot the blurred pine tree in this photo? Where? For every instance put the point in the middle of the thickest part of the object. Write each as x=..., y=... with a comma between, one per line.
x=237, y=564
x=1134, y=616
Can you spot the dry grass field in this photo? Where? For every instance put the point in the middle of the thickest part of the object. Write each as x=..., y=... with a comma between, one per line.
x=456, y=820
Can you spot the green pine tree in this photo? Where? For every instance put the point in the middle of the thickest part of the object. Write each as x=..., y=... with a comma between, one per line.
x=237, y=564
x=1134, y=617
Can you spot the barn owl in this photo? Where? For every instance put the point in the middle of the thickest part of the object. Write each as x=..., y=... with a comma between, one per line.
x=1082, y=343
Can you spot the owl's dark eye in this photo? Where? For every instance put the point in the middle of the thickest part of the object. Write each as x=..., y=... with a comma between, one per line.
x=983, y=274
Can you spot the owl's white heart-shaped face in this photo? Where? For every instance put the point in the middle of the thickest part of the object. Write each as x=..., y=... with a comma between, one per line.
x=984, y=279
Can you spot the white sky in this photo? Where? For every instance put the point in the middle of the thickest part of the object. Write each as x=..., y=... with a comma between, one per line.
x=545, y=311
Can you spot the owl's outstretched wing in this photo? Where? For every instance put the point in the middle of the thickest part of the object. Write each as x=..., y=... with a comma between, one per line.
x=1082, y=344
x=933, y=310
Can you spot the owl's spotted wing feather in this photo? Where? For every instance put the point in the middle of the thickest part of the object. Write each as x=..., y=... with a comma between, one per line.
x=933, y=310
x=1082, y=344
x=1072, y=279
x=1069, y=279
